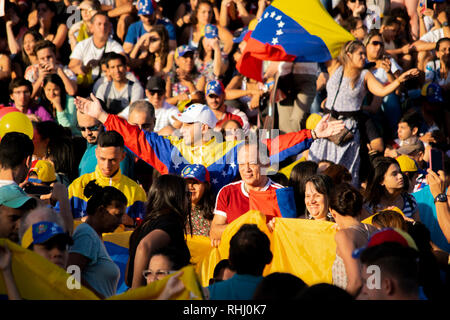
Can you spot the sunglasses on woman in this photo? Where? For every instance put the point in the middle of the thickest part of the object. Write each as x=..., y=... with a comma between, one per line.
x=377, y=43
x=353, y=1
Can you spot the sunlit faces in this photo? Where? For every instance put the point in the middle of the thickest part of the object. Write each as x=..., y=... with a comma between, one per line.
x=214, y=101
x=101, y=26
x=154, y=42
x=141, y=119
x=159, y=266
x=360, y=31
x=52, y=90
x=28, y=44
x=155, y=97
x=375, y=47
x=186, y=62
x=108, y=159
x=404, y=131
x=232, y=130
x=193, y=132
x=117, y=70
x=316, y=203
x=204, y=14
x=21, y=96
x=358, y=57
x=393, y=178
x=249, y=166
x=55, y=250
x=92, y=127
x=196, y=188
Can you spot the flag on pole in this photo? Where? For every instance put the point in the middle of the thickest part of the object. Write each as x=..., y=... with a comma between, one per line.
x=292, y=30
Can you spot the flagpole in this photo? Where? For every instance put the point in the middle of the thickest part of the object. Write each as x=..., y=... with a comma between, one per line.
x=269, y=122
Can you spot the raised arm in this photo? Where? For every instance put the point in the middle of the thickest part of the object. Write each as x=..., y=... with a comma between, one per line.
x=378, y=89
x=149, y=146
x=437, y=186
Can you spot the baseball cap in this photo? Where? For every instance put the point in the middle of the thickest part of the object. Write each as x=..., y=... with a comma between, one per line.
x=13, y=196
x=211, y=31
x=241, y=37
x=182, y=50
x=41, y=232
x=156, y=83
x=198, y=112
x=411, y=146
x=387, y=235
x=197, y=172
x=215, y=87
x=45, y=171
x=433, y=92
x=145, y=7
x=406, y=163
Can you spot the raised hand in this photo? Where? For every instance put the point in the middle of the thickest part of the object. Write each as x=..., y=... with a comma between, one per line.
x=92, y=107
x=173, y=286
x=325, y=128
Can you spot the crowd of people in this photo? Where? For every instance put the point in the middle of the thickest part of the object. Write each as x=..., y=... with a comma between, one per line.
x=143, y=122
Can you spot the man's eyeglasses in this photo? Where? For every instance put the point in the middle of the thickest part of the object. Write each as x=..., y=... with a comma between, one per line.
x=158, y=92
x=91, y=128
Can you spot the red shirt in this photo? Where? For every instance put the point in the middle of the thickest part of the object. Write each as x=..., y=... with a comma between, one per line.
x=234, y=114
x=233, y=200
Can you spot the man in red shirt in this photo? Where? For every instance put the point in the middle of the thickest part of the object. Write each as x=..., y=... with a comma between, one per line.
x=215, y=97
x=233, y=199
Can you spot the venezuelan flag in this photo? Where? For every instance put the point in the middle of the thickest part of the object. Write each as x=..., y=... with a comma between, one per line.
x=274, y=202
x=292, y=30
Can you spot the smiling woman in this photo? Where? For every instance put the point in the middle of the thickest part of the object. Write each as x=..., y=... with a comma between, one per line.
x=317, y=194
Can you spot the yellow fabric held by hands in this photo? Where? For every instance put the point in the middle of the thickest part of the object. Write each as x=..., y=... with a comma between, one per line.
x=305, y=248
x=38, y=279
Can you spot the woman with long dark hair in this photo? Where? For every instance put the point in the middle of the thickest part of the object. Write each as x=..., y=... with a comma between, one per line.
x=317, y=197
x=297, y=180
x=386, y=188
x=165, y=223
x=209, y=60
x=349, y=8
x=151, y=55
x=58, y=103
x=202, y=200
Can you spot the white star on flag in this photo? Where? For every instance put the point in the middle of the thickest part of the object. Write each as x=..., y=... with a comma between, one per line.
x=266, y=15
x=274, y=40
x=273, y=14
x=215, y=181
x=176, y=165
x=278, y=18
x=279, y=32
x=281, y=24
x=233, y=165
x=224, y=173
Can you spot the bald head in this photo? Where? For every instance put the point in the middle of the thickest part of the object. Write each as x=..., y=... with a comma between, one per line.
x=90, y=127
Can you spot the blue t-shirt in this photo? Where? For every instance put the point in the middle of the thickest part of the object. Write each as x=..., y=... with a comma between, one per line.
x=427, y=210
x=136, y=30
x=238, y=287
x=88, y=162
x=101, y=272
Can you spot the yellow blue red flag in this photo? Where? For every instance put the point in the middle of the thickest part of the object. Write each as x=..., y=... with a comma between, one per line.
x=292, y=30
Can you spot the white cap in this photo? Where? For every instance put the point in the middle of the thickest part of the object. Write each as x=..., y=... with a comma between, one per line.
x=198, y=113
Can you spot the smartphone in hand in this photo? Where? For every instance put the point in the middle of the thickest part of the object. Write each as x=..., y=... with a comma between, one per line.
x=436, y=157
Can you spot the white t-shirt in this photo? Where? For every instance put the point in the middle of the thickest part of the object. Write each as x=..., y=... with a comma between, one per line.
x=164, y=116
x=86, y=51
x=381, y=74
x=433, y=36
